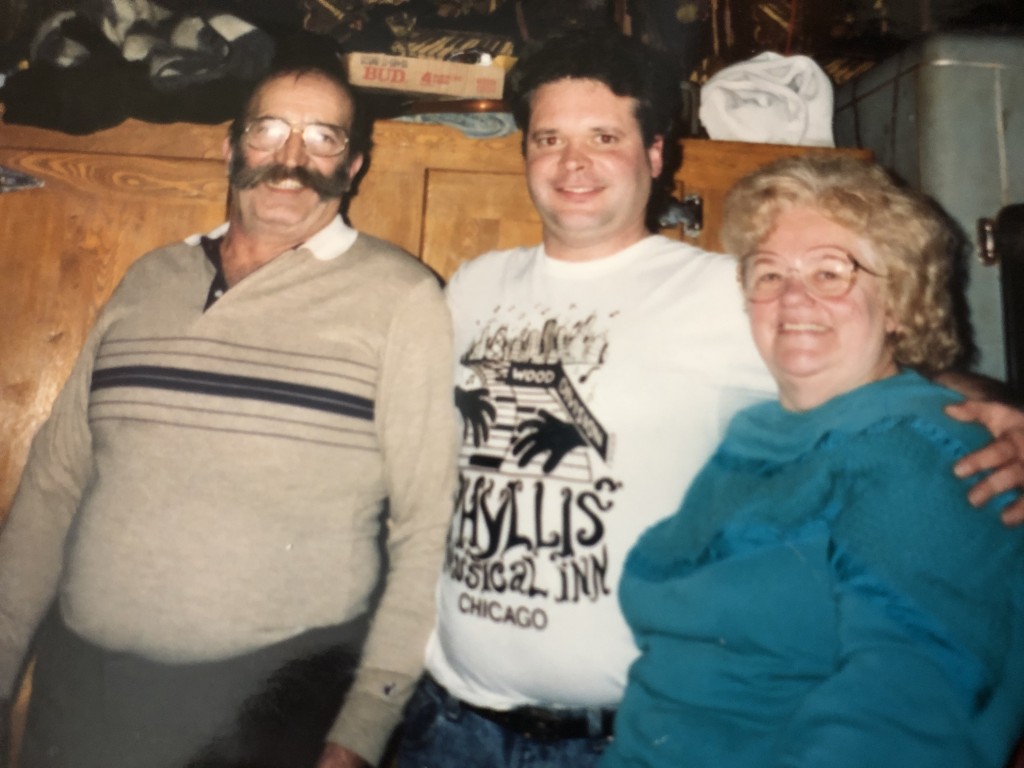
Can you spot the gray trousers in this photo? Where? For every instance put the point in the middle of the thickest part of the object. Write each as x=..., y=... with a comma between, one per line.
x=94, y=708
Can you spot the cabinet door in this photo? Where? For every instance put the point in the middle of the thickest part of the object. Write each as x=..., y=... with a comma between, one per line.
x=64, y=248
x=469, y=213
x=443, y=196
x=710, y=168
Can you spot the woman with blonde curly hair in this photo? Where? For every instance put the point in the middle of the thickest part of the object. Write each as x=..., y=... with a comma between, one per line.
x=909, y=236
x=826, y=596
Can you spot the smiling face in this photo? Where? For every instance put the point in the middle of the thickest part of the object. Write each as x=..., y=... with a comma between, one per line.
x=587, y=169
x=276, y=192
x=819, y=348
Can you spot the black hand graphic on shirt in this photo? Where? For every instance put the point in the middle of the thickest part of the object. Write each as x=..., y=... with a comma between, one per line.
x=477, y=412
x=546, y=433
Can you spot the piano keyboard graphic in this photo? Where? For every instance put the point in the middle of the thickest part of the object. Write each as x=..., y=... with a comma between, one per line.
x=514, y=405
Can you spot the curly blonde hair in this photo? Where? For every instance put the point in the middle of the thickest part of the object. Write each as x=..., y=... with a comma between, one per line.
x=911, y=239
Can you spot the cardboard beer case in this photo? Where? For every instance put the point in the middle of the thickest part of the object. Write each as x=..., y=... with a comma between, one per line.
x=407, y=74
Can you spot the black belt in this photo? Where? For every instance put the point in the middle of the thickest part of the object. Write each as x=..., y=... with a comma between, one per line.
x=549, y=724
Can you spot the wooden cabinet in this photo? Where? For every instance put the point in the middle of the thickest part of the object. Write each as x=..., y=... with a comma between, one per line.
x=111, y=196
x=63, y=248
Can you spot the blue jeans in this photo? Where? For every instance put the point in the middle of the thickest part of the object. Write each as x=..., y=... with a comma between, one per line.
x=439, y=732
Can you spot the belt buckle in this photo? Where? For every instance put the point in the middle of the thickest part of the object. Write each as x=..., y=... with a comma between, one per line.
x=545, y=725
x=541, y=725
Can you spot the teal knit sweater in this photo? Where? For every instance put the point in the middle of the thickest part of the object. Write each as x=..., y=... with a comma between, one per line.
x=827, y=597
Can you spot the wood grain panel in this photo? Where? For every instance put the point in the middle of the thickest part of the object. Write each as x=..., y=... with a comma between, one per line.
x=180, y=140
x=390, y=204
x=468, y=214
x=710, y=168
x=112, y=176
x=392, y=197
x=64, y=248
x=399, y=145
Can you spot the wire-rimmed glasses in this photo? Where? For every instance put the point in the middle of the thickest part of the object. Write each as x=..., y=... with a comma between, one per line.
x=269, y=134
x=827, y=272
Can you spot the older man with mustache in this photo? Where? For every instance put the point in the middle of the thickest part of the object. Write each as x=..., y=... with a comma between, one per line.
x=229, y=528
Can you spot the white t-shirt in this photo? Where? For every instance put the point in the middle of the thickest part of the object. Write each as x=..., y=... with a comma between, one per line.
x=608, y=384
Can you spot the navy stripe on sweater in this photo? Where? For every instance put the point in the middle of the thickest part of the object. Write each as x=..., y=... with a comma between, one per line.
x=226, y=385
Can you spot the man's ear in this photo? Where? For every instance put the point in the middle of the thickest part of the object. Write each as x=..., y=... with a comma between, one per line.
x=656, y=156
x=354, y=164
x=226, y=150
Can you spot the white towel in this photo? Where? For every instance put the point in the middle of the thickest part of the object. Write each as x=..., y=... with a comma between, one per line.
x=770, y=99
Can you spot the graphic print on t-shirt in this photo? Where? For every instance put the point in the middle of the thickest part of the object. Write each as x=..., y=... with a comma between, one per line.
x=535, y=487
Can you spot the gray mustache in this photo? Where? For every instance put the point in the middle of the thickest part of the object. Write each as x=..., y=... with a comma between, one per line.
x=325, y=186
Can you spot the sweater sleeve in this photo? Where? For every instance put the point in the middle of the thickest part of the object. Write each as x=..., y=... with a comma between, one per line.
x=416, y=428
x=32, y=541
x=928, y=595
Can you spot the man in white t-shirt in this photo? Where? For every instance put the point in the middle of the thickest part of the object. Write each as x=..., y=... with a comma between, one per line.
x=595, y=373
